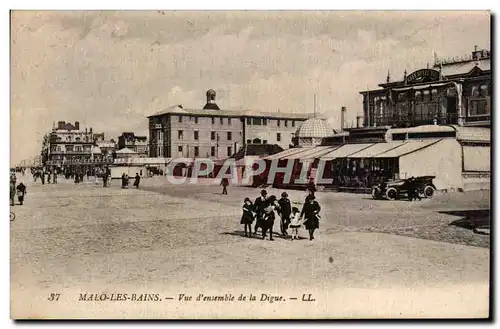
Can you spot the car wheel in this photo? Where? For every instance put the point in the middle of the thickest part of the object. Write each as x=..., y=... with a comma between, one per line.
x=429, y=191
x=391, y=193
x=376, y=193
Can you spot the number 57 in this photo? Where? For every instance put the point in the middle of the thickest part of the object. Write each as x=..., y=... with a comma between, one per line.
x=54, y=297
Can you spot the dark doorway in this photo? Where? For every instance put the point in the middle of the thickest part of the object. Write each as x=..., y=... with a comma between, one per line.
x=451, y=106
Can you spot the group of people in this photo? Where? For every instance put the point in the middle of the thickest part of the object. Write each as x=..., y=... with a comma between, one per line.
x=125, y=180
x=263, y=211
x=45, y=175
x=19, y=189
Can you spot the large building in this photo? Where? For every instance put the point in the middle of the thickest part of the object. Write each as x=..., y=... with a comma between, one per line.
x=67, y=143
x=133, y=142
x=454, y=91
x=215, y=133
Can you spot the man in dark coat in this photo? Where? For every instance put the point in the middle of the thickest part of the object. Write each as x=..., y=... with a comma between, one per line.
x=224, y=183
x=259, y=205
x=285, y=209
x=268, y=217
x=311, y=188
x=310, y=212
x=21, y=191
x=137, y=180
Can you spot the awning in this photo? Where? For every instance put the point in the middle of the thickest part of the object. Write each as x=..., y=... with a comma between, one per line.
x=345, y=150
x=407, y=148
x=314, y=153
x=288, y=152
x=376, y=149
x=422, y=86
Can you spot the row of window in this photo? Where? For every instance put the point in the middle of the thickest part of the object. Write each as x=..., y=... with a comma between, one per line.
x=71, y=148
x=250, y=121
x=69, y=139
x=213, y=152
x=213, y=135
x=428, y=95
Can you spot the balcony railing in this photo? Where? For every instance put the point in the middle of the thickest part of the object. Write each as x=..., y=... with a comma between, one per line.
x=414, y=120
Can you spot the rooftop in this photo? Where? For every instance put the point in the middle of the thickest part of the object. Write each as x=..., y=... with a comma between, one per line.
x=231, y=113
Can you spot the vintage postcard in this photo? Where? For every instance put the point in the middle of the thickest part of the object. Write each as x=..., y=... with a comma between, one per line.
x=250, y=164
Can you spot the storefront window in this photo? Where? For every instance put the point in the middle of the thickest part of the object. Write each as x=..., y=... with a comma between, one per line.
x=427, y=96
x=418, y=96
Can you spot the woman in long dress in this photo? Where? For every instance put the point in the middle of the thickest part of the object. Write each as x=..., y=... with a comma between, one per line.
x=310, y=212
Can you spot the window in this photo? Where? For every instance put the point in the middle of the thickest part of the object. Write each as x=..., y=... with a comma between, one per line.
x=418, y=96
x=58, y=148
x=78, y=148
x=264, y=141
x=213, y=121
x=483, y=91
x=229, y=121
x=278, y=137
x=180, y=118
x=279, y=123
x=229, y=135
x=286, y=123
x=196, y=151
x=158, y=135
x=427, y=96
x=401, y=96
x=196, y=135
x=221, y=121
x=264, y=122
x=212, y=135
x=249, y=121
x=77, y=139
x=249, y=141
x=229, y=151
x=212, y=151
x=180, y=134
x=195, y=119
x=257, y=121
x=179, y=148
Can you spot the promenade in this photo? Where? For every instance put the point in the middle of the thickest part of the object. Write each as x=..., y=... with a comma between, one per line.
x=370, y=258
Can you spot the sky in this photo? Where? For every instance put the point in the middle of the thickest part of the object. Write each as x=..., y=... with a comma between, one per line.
x=109, y=70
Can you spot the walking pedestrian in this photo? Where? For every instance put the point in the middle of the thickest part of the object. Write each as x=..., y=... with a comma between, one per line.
x=224, y=183
x=259, y=205
x=21, y=191
x=137, y=180
x=295, y=223
x=285, y=209
x=247, y=217
x=54, y=179
x=311, y=187
x=268, y=217
x=310, y=212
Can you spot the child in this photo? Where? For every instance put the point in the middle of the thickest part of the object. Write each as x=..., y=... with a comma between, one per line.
x=247, y=217
x=295, y=223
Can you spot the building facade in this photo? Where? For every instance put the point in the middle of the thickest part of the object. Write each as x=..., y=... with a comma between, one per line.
x=133, y=142
x=214, y=133
x=455, y=91
x=67, y=143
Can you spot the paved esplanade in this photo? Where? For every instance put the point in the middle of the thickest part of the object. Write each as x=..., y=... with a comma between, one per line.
x=73, y=239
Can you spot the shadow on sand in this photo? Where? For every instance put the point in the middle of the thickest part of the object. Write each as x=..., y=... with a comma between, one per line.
x=259, y=235
x=474, y=220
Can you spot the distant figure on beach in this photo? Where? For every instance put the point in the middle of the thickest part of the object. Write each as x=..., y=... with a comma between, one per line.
x=224, y=183
x=310, y=212
x=21, y=191
x=137, y=180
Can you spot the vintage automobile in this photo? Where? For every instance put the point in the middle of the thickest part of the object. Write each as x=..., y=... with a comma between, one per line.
x=399, y=188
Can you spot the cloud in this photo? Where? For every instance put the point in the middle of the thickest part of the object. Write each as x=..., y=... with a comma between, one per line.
x=109, y=70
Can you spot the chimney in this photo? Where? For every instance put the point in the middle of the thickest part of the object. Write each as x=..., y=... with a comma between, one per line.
x=77, y=125
x=90, y=130
x=60, y=124
x=342, y=117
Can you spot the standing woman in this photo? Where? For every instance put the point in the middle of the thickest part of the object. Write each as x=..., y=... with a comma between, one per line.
x=310, y=212
x=247, y=217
